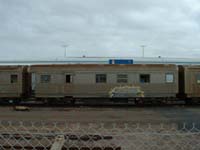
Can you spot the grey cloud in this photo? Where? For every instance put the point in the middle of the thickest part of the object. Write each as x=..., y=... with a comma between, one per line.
x=39, y=28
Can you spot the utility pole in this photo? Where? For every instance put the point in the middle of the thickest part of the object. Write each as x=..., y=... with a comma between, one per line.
x=65, y=49
x=143, y=46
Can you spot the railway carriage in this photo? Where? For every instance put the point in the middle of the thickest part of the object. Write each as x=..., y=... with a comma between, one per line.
x=95, y=81
x=12, y=84
x=192, y=82
x=70, y=82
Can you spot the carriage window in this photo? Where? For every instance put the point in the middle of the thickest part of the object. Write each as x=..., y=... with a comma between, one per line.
x=198, y=78
x=45, y=78
x=13, y=78
x=122, y=78
x=100, y=78
x=68, y=78
x=145, y=78
x=169, y=78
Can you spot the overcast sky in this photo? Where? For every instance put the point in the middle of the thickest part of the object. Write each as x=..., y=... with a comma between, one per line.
x=39, y=28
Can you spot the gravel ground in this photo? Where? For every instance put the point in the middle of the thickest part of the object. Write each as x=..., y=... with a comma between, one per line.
x=172, y=114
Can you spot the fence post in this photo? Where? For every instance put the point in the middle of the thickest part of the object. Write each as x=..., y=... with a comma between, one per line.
x=58, y=143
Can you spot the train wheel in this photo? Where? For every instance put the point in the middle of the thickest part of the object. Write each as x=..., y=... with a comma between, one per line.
x=139, y=101
x=72, y=101
x=16, y=101
x=188, y=101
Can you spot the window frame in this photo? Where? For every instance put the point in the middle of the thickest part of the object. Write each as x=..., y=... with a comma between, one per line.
x=166, y=77
x=11, y=79
x=71, y=78
x=43, y=81
x=99, y=80
x=198, y=78
x=143, y=74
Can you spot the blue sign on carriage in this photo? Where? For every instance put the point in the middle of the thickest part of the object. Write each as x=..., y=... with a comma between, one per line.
x=121, y=61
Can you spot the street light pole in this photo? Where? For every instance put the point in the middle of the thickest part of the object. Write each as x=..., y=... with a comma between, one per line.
x=65, y=49
x=143, y=46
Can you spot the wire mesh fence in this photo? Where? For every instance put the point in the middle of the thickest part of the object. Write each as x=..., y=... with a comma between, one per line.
x=99, y=136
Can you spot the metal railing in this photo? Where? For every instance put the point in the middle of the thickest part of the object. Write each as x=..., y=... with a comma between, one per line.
x=98, y=136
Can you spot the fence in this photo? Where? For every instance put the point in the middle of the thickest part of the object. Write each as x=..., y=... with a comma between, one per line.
x=98, y=136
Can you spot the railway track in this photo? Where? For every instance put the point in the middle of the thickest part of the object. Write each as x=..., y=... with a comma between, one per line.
x=98, y=105
x=103, y=104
